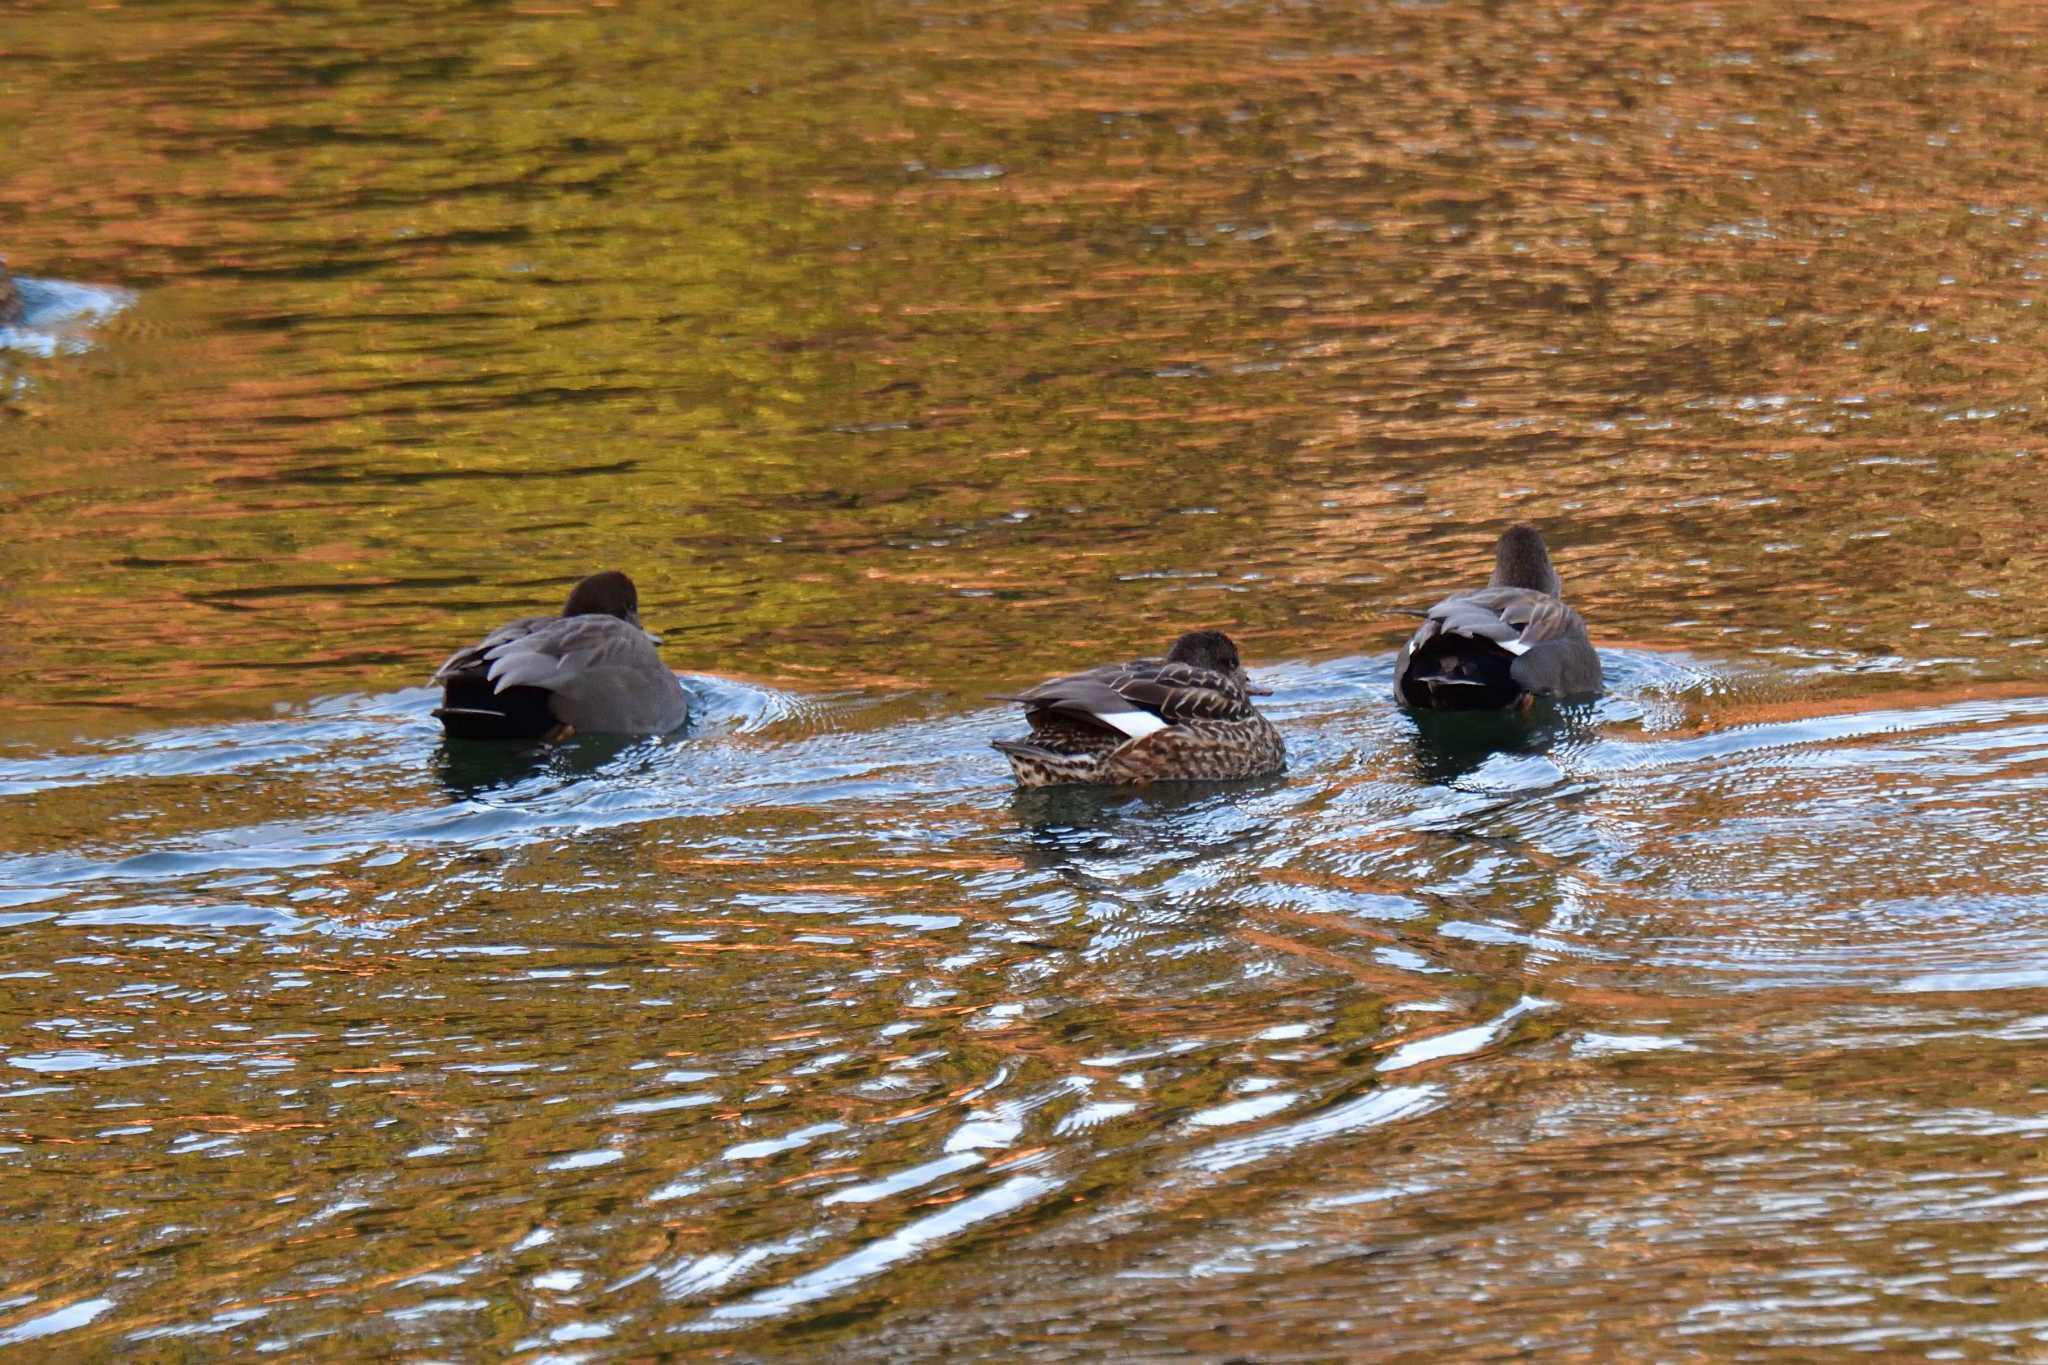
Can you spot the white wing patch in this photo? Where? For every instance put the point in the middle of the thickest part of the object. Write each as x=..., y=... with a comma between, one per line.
x=1136, y=724
x=1514, y=646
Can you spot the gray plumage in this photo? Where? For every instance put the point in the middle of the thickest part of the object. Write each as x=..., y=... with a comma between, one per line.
x=591, y=669
x=1500, y=645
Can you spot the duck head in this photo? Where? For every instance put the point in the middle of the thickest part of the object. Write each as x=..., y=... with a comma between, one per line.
x=610, y=593
x=1215, y=651
x=1521, y=560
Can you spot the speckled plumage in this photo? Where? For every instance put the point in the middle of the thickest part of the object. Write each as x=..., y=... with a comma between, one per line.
x=1193, y=711
x=1501, y=645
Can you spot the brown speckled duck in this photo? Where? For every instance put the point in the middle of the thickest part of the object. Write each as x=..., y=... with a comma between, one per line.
x=1188, y=717
x=591, y=669
x=1502, y=645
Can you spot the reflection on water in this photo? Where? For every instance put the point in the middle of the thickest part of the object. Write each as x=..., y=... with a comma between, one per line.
x=472, y=768
x=1451, y=745
x=907, y=354
x=818, y=1025
x=45, y=317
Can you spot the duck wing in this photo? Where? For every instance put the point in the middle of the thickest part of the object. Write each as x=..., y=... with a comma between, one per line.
x=1139, y=698
x=1551, y=654
x=475, y=659
x=600, y=674
x=1561, y=665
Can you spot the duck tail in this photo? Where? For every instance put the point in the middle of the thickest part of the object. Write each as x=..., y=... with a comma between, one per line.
x=1455, y=673
x=1037, y=766
x=471, y=710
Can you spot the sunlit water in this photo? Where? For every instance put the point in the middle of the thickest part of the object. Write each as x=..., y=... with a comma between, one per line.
x=909, y=353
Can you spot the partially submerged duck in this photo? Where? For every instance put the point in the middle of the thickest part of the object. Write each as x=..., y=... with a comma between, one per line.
x=591, y=669
x=1501, y=645
x=1187, y=717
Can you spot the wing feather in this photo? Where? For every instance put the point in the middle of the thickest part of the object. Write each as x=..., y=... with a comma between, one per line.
x=566, y=648
x=598, y=673
x=1506, y=616
x=476, y=658
x=1547, y=639
x=1143, y=697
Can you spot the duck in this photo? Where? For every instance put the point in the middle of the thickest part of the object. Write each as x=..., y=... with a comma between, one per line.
x=1187, y=718
x=10, y=299
x=590, y=670
x=1501, y=646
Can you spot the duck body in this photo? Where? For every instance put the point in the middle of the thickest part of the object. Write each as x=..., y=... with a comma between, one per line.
x=591, y=669
x=1188, y=717
x=1503, y=645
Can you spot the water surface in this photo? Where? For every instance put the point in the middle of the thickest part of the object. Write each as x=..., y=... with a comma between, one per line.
x=907, y=353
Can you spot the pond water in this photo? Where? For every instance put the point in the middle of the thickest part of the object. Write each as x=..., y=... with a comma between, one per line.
x=907, y=353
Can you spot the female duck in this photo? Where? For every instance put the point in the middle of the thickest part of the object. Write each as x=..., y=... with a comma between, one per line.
x=591, y=669
x=1187, y=717
x=1501, y=645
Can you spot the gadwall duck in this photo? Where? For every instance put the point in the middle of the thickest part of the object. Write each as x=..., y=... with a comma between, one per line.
x=591, y=669
x=1502, y=645
x=1187, y=717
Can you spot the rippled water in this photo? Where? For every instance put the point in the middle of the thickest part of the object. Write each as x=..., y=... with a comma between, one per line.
x=906, y=353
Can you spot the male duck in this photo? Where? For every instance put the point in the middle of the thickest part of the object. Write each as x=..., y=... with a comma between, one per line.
x=1187, y=717
x=545, y=677
x=1501, y=645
